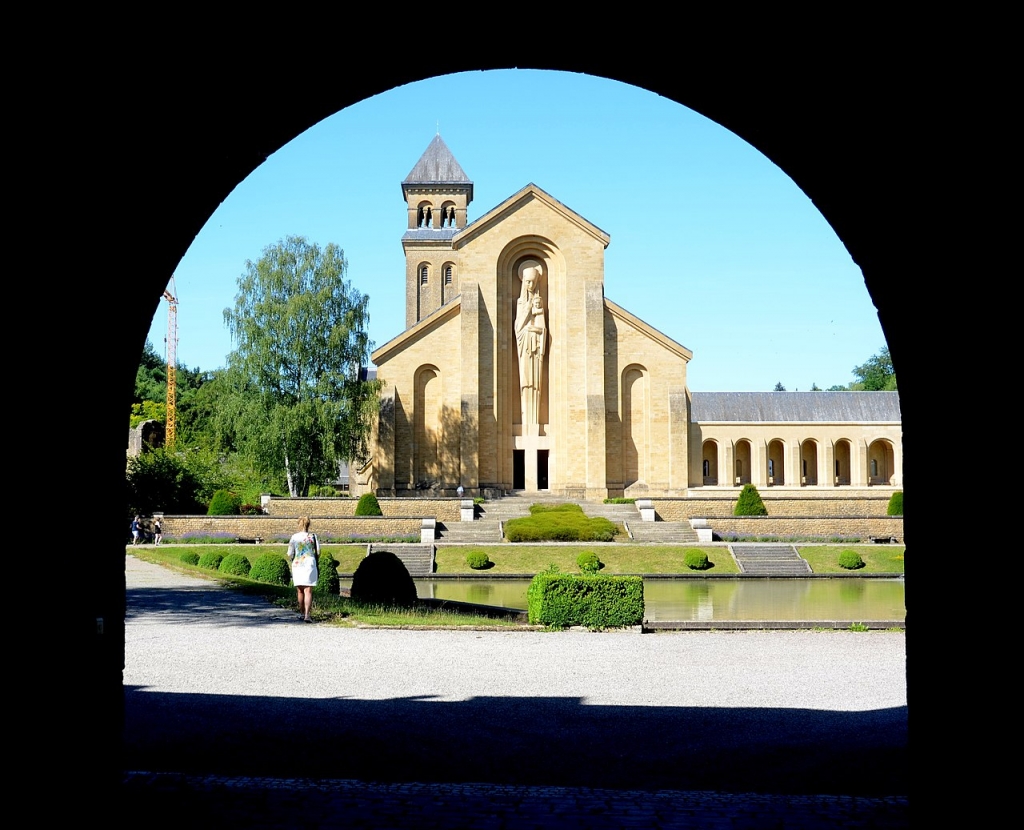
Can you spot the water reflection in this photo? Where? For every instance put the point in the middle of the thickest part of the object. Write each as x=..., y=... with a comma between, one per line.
x=707, y=600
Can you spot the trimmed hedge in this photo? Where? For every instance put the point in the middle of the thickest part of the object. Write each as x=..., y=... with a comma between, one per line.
x=561, y=600
x=749, y=503
x=588, y=562
x=696, y=560
x=235, y=564
x=272, y=568
x=224, y=503
x=850, y=560
x=327, y=575
x=211, y=560
x=559, y=523
x=190, y=557
x=895, y=507
x=368, y=506
x=478, y=560
x=382, y=579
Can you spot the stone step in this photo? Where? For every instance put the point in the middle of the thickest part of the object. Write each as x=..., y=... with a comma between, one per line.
x=470, y=532
x=769, y=560
x=676, y=533
x=418, y=559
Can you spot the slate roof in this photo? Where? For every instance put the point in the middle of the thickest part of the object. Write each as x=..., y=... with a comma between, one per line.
x=429, y=233
x=774, y=407
x=437, y=166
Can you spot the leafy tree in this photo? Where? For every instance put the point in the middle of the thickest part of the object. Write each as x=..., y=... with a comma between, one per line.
x=299, y=327
x=161, y=480
x=876, y=374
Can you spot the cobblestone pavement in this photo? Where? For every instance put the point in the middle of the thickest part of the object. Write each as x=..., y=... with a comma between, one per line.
x=239, y=715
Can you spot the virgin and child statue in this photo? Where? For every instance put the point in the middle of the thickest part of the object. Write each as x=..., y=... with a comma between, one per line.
x=531, y=330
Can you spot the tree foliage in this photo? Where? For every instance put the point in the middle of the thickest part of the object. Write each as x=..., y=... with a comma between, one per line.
x=876, y=374
x=298, y=405
x=163, y=481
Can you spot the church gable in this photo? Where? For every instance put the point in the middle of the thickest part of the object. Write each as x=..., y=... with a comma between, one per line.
x=529, y=195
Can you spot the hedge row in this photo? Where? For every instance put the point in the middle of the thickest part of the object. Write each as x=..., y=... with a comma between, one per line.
x=562, y=600
x=559, y=523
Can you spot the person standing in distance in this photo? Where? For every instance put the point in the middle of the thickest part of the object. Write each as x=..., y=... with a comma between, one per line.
x=303, y=552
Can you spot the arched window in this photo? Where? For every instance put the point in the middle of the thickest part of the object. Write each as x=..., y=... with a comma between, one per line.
x=424, y=274
x=448, y=275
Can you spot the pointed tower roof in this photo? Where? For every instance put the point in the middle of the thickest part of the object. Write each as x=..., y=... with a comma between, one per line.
x=437, y=167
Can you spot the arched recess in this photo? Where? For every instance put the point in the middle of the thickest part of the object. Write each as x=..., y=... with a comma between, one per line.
x=842, y=469
x=881, y=462
x=425, y=214
x=635, y=425
x=809, y=463
x=510, y=262
x=709, y=463
x=449, y=281
x=427, y=431
x=776, y=463
x=742, y=457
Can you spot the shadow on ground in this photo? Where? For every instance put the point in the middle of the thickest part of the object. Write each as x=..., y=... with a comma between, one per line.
x=527, y=741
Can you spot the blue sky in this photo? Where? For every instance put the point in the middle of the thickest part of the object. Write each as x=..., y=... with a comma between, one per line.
x=711, y=243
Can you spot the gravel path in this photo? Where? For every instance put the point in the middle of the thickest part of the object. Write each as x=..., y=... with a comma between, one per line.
x=222, y=685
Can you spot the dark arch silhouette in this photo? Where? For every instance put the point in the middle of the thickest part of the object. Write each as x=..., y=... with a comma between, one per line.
x=147, y=166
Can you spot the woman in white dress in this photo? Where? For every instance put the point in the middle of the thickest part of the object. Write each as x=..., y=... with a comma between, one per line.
x=303, y=552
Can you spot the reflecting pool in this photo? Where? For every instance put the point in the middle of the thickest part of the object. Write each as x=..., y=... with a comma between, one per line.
x=706, y=600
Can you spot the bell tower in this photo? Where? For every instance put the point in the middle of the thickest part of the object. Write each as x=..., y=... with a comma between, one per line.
x=437, y=192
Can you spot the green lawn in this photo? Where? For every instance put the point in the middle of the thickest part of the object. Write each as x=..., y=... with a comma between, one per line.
x=336, y=610
x=824, y=559
x=617, y=558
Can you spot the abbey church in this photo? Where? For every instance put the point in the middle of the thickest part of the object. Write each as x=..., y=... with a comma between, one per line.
x=515, y=372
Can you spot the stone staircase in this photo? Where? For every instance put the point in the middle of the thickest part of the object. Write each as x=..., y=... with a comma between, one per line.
x=487, y=528
x=418, y=559
x=664, y=533
x=769, y=560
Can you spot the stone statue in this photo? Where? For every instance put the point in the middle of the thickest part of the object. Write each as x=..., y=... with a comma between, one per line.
x=531, y=328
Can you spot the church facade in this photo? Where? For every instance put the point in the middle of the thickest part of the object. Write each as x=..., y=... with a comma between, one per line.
x=515, y=372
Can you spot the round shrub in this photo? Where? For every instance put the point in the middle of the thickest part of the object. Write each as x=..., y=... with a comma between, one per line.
x=850, y=560
x=272, y=568
x=895, y=507
x=478, y=560
x=210, y=560
x=224, y=503
x=382, y=579
x=236, y=565
x=368, y=506
x=696, y=560
x=190, y=557
x=588, y=562
x=327, y=575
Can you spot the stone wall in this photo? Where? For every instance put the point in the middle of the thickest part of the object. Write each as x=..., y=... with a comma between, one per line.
x=282, y=527
x=443, y=509
x=860, y=505
x=825, y=527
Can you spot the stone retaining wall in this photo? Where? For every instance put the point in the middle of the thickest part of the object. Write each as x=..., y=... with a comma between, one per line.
x=443, y=509
x=282, y=527
x=791, y=505
x=793, y=526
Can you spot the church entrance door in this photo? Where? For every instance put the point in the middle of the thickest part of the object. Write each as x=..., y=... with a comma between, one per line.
x=518, y=469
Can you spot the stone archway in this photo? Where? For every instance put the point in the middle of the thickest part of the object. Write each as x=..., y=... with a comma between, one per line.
x=184, y=146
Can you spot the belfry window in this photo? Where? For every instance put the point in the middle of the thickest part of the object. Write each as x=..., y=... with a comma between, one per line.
x=447, y=275
x=424, y=274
